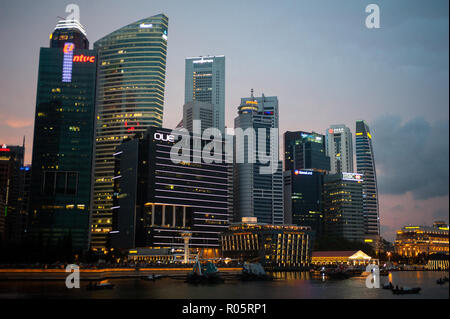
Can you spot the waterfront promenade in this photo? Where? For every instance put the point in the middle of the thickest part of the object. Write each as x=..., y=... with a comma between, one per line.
x=99, y=274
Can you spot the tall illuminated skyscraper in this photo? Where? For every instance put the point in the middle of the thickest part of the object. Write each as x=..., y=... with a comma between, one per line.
x=205, y=82
x=62, y=147
x=258, y=194
x=339, y=147
x=365, y=164
x=130, y=99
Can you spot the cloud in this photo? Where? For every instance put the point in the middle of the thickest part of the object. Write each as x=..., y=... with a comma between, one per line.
x=18, y=123
x=412, y=156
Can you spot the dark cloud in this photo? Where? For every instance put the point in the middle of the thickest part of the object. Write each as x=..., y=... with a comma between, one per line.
x=412, y=156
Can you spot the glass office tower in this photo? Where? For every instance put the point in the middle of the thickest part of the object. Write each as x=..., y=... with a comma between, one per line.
x=305, y=150
x=339, y=147
x=256, y=194
x=205, y=82
x=63, y=131
x=365, y=164
x=130, y=99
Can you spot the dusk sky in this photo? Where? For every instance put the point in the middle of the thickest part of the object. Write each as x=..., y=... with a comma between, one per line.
x=318, y=57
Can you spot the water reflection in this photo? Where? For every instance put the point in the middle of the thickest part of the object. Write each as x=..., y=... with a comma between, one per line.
x=288, y=285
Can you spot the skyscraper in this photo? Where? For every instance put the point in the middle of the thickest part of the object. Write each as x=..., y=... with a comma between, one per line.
x=256, y=194
x=365, y=164
x=196, y=110
x=156, y=200
x=305, y=163
x=205, y=82
x=63, y=130
x=304, y=150
x=343, y=206
x=130, y=98
x=339, y=146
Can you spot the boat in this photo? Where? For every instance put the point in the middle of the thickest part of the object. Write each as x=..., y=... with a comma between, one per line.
x=441, y=281
x=204, y=274
x=153, y=277
x=104, y=284
x=254, y=271
x=406, y=290
x=336, y=273
x=389, y=286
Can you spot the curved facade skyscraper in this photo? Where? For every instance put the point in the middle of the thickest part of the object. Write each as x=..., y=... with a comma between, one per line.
x=365, y=164
x=130, y=97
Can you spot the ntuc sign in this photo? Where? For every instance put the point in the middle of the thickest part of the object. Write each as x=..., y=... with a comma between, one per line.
x=83, y=58
x=164, y=137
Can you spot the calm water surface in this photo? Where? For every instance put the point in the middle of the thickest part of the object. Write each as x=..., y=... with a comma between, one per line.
x=290, y=285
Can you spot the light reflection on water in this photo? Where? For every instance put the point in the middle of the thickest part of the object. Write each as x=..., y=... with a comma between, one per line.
x=288, y=285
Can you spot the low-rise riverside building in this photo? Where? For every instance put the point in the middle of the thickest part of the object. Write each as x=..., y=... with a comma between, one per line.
x=276, y=247
x=347, y=257
x=425, y=240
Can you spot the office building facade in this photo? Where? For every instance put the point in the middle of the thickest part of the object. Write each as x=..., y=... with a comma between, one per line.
x=198, y=111
x=205, y=82
x=303, y=198
x=130, y=98
x=305, y=150
x=157, y=200
x=258, y=194
x=365, y=164
x=343, y=206
x=339, y=148
x=62, y=146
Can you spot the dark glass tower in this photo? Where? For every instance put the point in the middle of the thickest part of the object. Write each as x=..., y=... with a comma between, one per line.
x=63, y=139
x=365, y=164
x=156, y=200
x=130, y=99
x=305, y=150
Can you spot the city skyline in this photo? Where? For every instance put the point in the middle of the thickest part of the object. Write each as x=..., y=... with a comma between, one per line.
x=396, y=206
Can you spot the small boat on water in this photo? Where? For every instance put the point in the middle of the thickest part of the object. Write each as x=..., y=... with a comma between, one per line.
x=104, y=284
x=405, y=290
x=388, y=286
x=153, y=277
x=253, y=272
x=441, y=281
x=204, y=274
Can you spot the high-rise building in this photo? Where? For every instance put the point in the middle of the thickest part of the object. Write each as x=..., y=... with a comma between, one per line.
x=339, y=147
x=205, y=82
x=343, y=206
x=130, y=98
x=304, y=150
x=365, y=164
x=157, y=200
x=303, y=198
x=63, y=143
x=258, y=194
x=198, y=111
x=11, y=161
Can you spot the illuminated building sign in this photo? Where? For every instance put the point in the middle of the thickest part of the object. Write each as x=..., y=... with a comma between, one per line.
x=145, y=26
x=164, y=137
x=297, y=172
x=336, y=130
x=352, y=177
x=67, y=61
x=83, y=58
x=203, y=61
